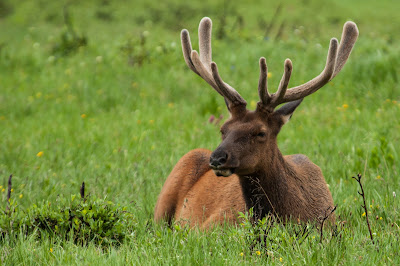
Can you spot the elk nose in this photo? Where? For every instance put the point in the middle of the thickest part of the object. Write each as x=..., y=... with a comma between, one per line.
x=218, y=158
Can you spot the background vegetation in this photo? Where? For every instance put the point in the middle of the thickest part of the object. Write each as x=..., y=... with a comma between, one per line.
x=98, y=91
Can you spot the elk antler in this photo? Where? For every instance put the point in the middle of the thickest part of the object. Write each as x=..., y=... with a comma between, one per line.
x=335, y=61
x=204, y=67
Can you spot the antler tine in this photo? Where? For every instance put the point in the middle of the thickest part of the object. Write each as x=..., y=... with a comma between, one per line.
x=313, y=85
x=202, y=64
x=203, y=71
x=283, y=84
x=187, y=50
x=347, y=41
x=230, y=93
x=205, y=27
x=335, y=61
x=265, y=97
x=193, y=60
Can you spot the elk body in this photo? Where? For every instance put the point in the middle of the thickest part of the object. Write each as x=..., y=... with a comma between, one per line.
x=247, y=170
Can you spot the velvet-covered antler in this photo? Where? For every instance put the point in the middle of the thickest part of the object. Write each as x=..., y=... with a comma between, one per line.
x=336, y=59
x=203, y=66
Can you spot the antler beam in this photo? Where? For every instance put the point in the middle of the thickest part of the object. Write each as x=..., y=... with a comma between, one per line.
x=336, y=59
x=203, y=65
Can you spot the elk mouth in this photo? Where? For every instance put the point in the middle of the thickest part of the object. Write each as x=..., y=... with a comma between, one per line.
x=224, y=172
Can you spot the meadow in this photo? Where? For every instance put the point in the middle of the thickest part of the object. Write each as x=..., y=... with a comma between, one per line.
x=98, y=92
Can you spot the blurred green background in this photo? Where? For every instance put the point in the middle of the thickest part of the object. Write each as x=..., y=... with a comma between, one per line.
x=98, y=91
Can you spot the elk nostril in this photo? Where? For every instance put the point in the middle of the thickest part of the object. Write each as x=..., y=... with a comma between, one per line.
x=222, y=160
x=214, y=163
x=218, y=159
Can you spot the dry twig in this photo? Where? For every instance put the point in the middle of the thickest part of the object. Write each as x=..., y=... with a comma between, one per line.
x=83, y=190
x=323, y=219
x=362, y=194
x=9, y=193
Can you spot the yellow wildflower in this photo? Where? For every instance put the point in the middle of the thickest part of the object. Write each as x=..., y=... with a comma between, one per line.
x=269, y=74
x=51, y=249
x=345, y=106
x=83, y=116
x=3, y=190
x=258, y=252
x=39, y=154
x=241, y=254
x=1, y=187
x=380, y=218
x=378, y=177
x=20, y=196
x=253, y=104
x=12, y=190
x=363, y=214
x=370, y=206
x=280, y=259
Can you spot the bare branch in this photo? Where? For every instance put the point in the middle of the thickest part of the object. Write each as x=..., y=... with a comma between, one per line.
x=9, y=192
x=82, y=190
x=324, y=219
x=362, y=194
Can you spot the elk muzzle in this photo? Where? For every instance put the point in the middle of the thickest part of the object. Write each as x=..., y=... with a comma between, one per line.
x=219, y=163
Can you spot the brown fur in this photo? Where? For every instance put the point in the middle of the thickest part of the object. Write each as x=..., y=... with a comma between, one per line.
x=256, y=174
x=289, y=186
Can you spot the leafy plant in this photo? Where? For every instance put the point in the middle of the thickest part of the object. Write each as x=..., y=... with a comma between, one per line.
x=70, y=40
x=80, y=220
x=256, y=232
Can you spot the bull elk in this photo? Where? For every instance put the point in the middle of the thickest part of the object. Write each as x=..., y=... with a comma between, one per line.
x=255, y=173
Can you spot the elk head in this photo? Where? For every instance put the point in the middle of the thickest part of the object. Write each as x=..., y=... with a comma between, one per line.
x=249, y=137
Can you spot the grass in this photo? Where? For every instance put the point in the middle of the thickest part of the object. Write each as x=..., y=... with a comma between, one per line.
x=119, y=112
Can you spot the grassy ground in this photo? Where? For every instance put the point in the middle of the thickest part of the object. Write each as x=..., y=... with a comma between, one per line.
x=120, y=111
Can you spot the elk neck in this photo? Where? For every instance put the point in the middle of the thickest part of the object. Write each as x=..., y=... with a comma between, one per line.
x=266, y=191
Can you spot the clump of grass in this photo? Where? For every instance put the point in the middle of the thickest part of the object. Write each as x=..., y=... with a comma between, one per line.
x=82, y=220
x=70, y=41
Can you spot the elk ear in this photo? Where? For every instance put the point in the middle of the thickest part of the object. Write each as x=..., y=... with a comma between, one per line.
x=286, y=111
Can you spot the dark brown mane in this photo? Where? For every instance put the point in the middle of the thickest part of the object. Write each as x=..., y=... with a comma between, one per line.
x=247, y=170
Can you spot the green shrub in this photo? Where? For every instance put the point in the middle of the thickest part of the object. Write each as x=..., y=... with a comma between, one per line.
x=80, y=220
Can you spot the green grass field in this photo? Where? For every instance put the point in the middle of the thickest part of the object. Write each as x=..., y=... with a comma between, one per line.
x=105, y=98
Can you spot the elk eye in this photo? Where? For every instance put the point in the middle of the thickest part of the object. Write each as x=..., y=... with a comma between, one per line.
x=261, y=134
